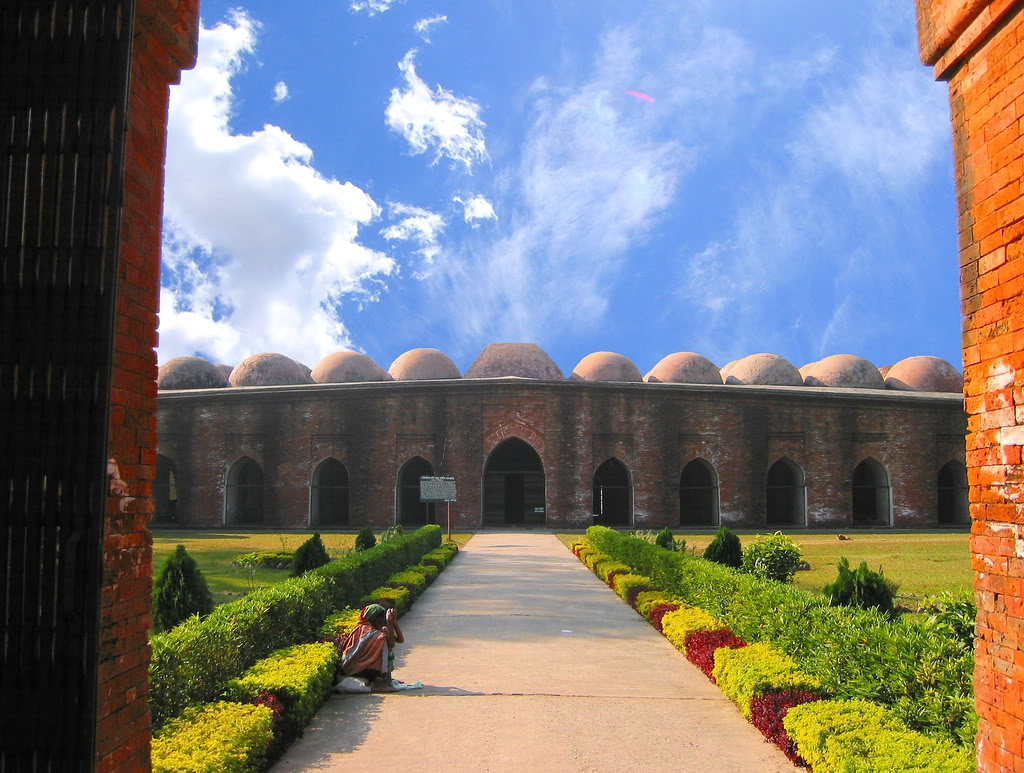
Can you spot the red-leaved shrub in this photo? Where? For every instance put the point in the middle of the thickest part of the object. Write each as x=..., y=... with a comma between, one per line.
x=767, y=712
x=701, y=646
x=658, y=612
x=611, y=576
x=279, y=738
x=635, y=591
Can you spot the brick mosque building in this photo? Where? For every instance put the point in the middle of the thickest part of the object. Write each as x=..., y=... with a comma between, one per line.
x=838, y=443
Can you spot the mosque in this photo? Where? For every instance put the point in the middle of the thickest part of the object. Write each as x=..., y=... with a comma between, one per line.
x=838, y=443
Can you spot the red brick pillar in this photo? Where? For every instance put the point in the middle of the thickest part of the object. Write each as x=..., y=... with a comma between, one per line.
x=978, y=47
x=164, y=44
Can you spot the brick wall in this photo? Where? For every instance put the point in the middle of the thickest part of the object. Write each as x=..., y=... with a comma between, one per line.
x=978, y=47
x=164, y=43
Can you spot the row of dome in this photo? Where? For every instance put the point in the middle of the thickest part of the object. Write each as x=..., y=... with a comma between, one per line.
x=924, y=374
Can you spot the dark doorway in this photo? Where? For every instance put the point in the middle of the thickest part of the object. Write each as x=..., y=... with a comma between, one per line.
x=785, y=494
x=954, y=506
x=412, y=512
x=698, y=494
x=165, y=492
x=613, y=494
x=329, y=497
x=870, y=494
x=514, y=485
x=244, y=496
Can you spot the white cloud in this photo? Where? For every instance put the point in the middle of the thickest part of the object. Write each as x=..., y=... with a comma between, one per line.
x=373, y=7
x=253, y=227
x=436, y=119
x=280, y=92
x=417, y=225
x=476, y=208
x=423, y=26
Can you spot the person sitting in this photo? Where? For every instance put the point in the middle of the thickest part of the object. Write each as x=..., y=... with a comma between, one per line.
x=368, y=651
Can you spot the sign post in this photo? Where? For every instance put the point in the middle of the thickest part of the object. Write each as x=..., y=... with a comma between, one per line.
x=439, y=488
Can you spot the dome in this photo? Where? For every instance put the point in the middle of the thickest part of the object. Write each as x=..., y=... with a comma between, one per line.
x=422, y=365
x=306, y=372
x=605, y=366
x=267, y=369
x=225, y=371
x=189, y=373
x=884, y=371
x=765, y=369
x=842, y=370
x=341, y=367
x=924, y=374
x=522, y=360
x=684, y=368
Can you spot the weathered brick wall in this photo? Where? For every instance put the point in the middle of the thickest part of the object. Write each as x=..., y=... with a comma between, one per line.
x=164, y=43
x=978, y=47
x=373, y=429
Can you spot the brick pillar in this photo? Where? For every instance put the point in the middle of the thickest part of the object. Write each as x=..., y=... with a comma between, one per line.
x=978, y=47
x=164, y=44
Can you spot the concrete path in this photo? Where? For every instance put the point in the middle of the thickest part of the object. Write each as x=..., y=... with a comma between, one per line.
x=532, y=663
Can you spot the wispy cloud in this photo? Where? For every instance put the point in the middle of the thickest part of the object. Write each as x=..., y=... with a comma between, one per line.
x=423, y=26
x=373, y=7
x=418, y=225
x=436, y=119
x=280, y=92
x=475, y=208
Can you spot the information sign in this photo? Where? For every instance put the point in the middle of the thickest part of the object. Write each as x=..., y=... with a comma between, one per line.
x=437, y=488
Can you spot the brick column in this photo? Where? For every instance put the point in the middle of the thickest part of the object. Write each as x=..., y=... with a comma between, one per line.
x=164, y=44
x=978, y=47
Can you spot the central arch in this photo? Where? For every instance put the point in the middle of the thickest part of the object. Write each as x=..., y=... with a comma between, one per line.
x=786, y=498
x=514, y=484
x=329, y=496
x=613, y=494
x=954, y=507
x=698, y=494
x=410, y=511
x=243, y=503
x=871, y=495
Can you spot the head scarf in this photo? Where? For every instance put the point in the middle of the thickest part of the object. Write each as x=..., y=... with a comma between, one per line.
x=370, y=613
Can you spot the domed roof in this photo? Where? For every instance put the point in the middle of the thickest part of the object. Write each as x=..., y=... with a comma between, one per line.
x=924, y=374
x=522, y=360
x=766, y=369
x=684, y=368
x=842, y=370
x=267, y=369
x=225, y=371
x=306, y=372
x=422, y=365
x=342, y=367
x=884, y=371
x=189, y=373
x=605, y=366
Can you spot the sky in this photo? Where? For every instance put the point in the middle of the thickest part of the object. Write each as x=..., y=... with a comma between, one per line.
x=726, y=177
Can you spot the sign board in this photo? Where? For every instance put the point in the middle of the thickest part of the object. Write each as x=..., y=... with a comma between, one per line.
x=538, y=509
x=437, y=488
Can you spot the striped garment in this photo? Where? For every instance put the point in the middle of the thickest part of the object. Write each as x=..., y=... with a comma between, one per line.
x=365, y=648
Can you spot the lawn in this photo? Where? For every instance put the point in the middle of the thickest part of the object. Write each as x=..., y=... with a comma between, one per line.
x=922, y=562
x=214, y=551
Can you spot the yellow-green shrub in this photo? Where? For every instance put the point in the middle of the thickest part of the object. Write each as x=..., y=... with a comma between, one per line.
x=594, y=557
x=748, y=671
x=578, y=545
x=624, y=583
x=648, y=599
x=400, y=596
x=340, y=623
x=429, y=571
x=216, y=738
x=604, y=568
x=414, y=582
x=676, y=625
x=865, y=737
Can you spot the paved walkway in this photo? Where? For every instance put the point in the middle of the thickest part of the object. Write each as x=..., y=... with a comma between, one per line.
x=532, y=663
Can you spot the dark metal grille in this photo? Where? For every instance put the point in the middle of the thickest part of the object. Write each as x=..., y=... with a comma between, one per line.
x=64, y=68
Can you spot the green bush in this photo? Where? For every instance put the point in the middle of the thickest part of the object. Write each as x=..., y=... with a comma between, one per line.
x=365, y=539
x=725, y=549
x=390, y=533
x=744, y=673
x=605, y=567
x=429, y=571
x=179, y=591
x=414, y=582
x=862, y=588
x=840, y=736
x=952, y=613
x=228, y=737
x=772, y=557
x=400, y=597
x=441, y=555
x=300, y=676
x=310, y=555
x=266, y=559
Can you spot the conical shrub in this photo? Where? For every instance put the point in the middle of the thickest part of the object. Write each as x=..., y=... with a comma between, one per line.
x=310, y=555
x=725, y=549
x=179, y=591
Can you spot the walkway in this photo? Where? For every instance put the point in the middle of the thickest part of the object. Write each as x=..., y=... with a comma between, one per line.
x=532, y=663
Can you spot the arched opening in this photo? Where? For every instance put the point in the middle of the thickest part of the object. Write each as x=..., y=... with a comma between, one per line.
x=786, y=497
x=165, y=492
x=613, y=494
x=698, y=494
x=244, y=496
x=329, y=494
x=412, y=512
x=514, y=484
x=954, y=505
x=870, y=494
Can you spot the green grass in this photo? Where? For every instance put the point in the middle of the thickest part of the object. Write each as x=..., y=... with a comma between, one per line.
x=215, y=550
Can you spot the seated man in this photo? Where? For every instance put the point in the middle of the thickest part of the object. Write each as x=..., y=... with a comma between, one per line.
x=368, y=652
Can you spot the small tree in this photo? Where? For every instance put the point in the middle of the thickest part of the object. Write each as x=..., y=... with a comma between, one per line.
x=725, y=549
x=179, y=591
x=365, y=539
x=310, y=555
x=667, y=541
x=772, y=557
x=861, y=588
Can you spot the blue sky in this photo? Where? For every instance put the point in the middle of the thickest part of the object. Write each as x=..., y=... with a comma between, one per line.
x=382, y=176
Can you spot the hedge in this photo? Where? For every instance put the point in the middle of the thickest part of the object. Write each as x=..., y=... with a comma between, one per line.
x=401, y=598
x=414, y=582
x=228, y=737
x=647, y=600
x=429, y=571
x=676, y=626
x=628, y=586
x=340, y=623
x=605, y=569
x=743, y=674
x=192, y=662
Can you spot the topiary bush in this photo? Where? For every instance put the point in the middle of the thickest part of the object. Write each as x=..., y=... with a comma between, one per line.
x=179, y=591
x=772, y=557
x=862, y=588
x=310, y=555
x=725, y=549
x=365, y=539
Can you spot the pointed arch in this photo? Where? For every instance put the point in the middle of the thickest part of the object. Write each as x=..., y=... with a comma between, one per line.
x=613, y=494
x=243, y=496
x=409, y=510
x=786, y=494
x=329, y=494
x=953, y=503
x=872, y=500
x=698, y=494
x=165, y=492
x=514, y=484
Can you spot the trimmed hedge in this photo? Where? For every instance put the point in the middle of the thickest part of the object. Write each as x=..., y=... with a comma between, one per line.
x=266, y=559
x=607, y=569
x=228, y=737
x=628, y=586
x=676, y=626
x=191, y=662
x=440, y=556
x=414, y=582
x=341, y=623
x=701, y=647
x=429, y=571
x=767, y=711
x=400, y=596
x=647, y=600
x=745, y=673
